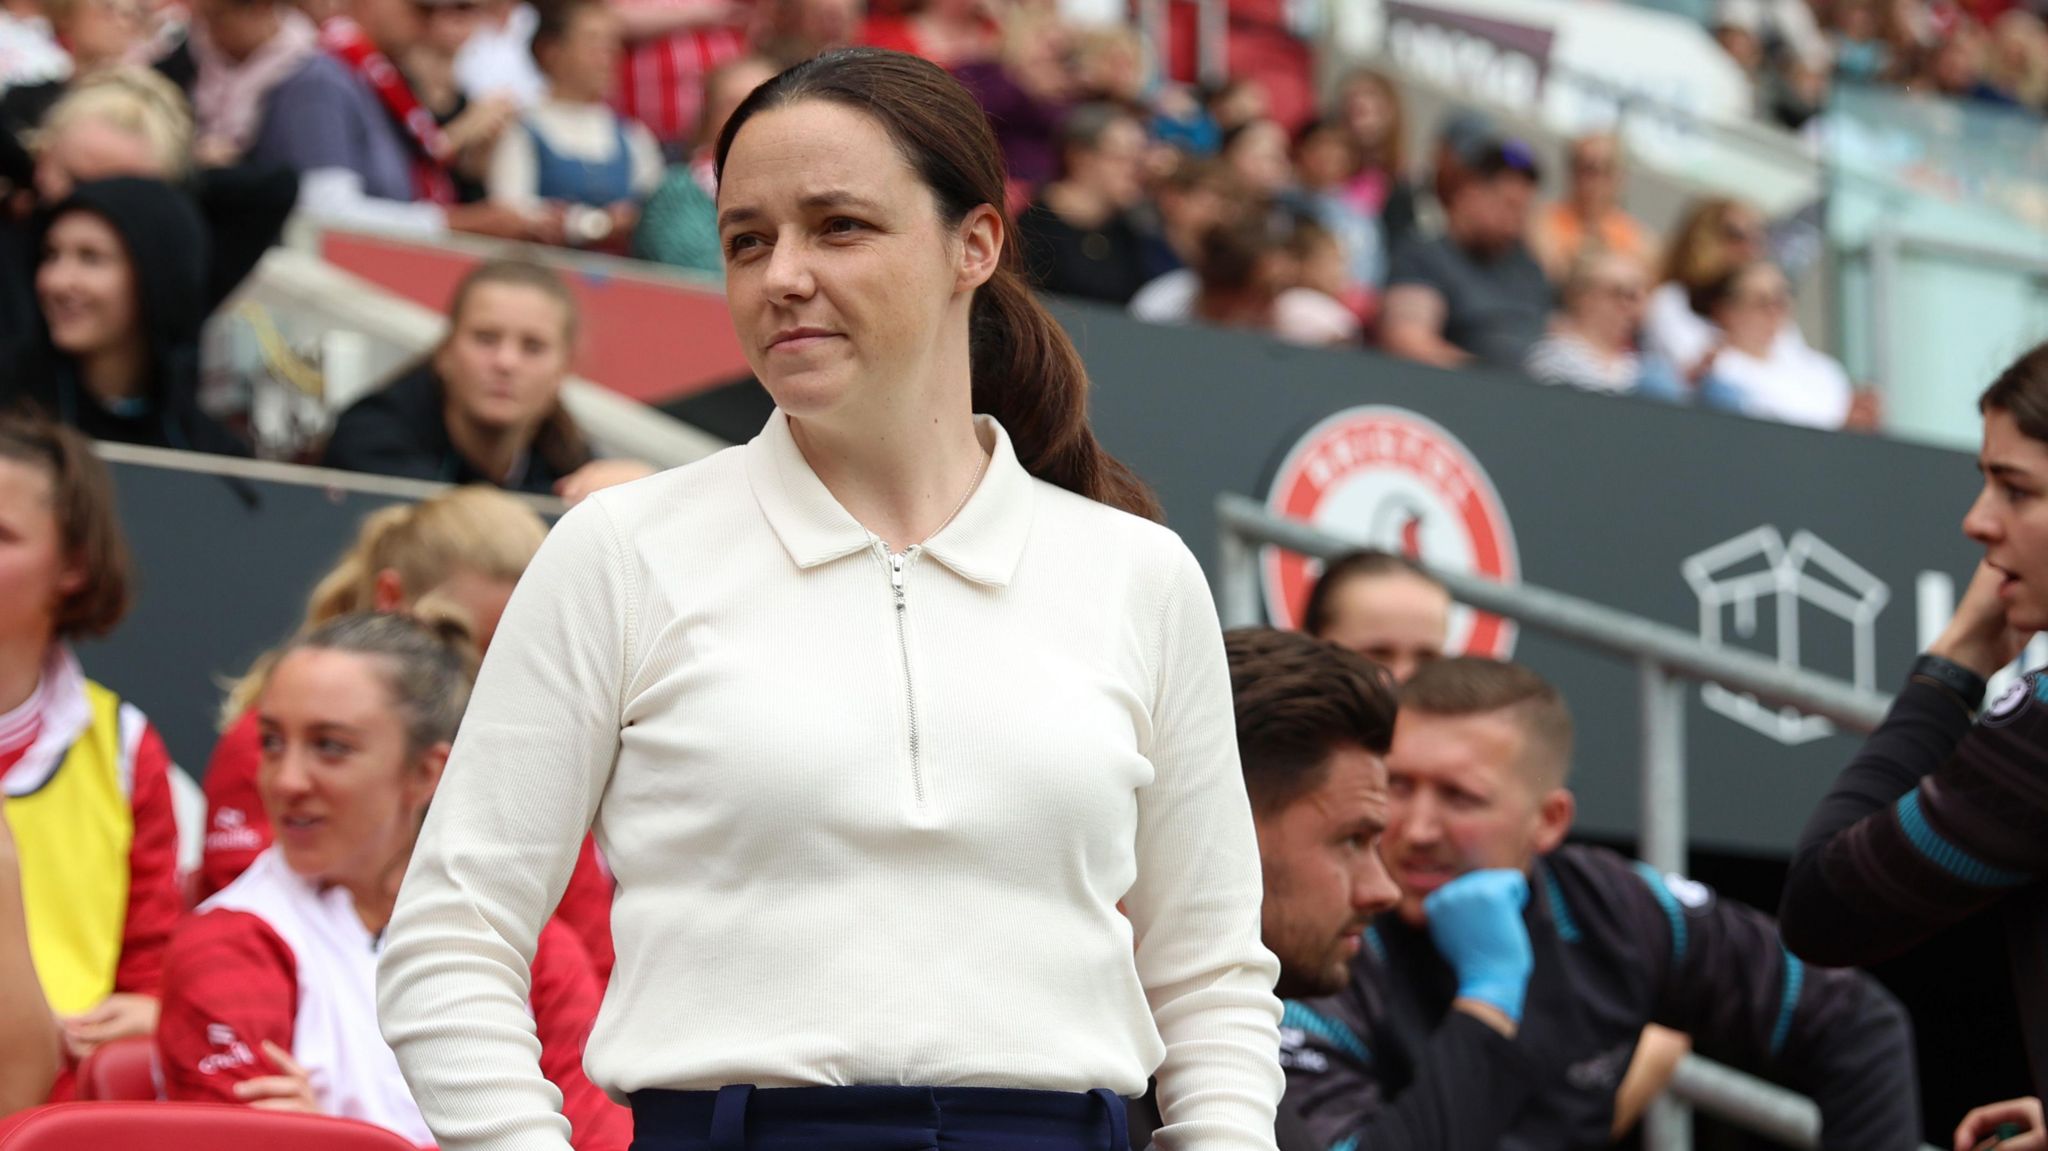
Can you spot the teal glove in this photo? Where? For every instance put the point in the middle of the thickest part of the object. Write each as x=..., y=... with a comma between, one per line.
x=1476, y=921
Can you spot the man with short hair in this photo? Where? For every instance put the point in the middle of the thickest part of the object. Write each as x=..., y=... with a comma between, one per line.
x=1313, y=722
x=1474, y=293
x=1477, y=772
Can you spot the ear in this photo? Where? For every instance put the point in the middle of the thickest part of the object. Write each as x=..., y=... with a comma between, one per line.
x=387, y=593
x=1554, y=814
x=73, y=578
x=426, y=777
x=981, y=247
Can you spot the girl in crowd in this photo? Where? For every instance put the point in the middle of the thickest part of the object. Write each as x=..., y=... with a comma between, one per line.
x=120, y=288
x=1592, y=341
x=465, y=548
x=486, y=406
x=1754, y=370
x=572, y=152
x=87, y=780
x=270, y=989
x=878, y=718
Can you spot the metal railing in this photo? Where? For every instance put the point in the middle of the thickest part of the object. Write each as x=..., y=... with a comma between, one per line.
x=1666, y=658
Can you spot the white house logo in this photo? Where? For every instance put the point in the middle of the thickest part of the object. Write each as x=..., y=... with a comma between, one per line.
x=1394, y=480
x=1738, y=581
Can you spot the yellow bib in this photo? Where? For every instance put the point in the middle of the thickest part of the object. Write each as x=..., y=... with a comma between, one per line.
x=73, y=835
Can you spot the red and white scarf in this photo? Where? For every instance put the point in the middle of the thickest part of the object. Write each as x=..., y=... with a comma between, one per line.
x=346, y=41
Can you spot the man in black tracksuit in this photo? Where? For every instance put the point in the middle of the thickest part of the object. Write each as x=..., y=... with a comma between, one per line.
x=1476, y=775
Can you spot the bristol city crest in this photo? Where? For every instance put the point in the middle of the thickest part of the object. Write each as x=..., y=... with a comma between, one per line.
x=1394, y=480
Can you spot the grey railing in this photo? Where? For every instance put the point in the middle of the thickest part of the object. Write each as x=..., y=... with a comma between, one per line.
x=1666, y=658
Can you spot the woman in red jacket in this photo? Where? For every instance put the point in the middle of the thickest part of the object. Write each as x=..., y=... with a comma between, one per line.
x=465, y=547
x=85, y=777
x=270, y=992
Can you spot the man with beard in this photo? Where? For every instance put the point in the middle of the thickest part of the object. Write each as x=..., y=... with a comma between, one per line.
x=1313, y=723
x=1476, y=787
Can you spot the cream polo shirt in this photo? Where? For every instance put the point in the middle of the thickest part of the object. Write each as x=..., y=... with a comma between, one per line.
x=862, y=835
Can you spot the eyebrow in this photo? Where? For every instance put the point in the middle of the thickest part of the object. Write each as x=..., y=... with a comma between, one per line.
x=2001, y=471
x=816, y=201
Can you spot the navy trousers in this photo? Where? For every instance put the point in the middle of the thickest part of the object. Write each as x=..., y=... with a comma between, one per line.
x=742, y=1118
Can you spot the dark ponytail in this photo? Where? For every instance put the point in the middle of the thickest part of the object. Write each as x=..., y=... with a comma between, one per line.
x=1026, y=371
x=2022, y=391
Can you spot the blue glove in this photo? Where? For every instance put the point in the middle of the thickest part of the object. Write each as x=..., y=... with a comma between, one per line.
x=1476, y=920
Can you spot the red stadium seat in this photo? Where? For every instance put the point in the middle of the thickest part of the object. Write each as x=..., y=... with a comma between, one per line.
x=124, y=1070
x=186, y=1127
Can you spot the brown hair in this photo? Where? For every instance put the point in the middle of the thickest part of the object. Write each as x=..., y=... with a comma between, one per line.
x=556, y=17
x=559, y=442
x=2022, y=390
x=1698, y=252
x=1299, y=699
x=1468, y=685
x=1026, y=372
x=88, y=519
x=1365, y=564
x=1392, y=153
x=430, y=663
x=476, y=529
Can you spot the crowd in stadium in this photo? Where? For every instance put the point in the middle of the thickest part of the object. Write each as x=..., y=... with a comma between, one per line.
x=152, y=155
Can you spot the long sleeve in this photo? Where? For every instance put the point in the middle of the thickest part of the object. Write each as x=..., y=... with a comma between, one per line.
x=1723, y=977
x=231, y=983
x=1196, y=904
x=536, y=750
x=154, y=901
x=237, y=827
x=1933, y=821
x=1464, y=1095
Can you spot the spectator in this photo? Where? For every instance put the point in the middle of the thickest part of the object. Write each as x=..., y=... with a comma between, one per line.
x=1590, y=217
x=1369, y=107
x=572, y=153
x=1799, y=95
x=241, y=50
x=1755, y=371
x=1382, y=606
x=1257, y=154
x=1415, y=208
x=1196, y=196
x=29, y=52
x=2019, y=59
x=486, y=406
x=949, y=33
x=1109, y=66
x=1248, y=275
x=1077, y=237
x=120, y=288
x=99, y=34
x=672, y=45
x=1592, y=344
x=471, y=128
x=680, y=224
x=1715, y=237
x=1475, y=293
x=1327, y=164
x=1235, y=102
x=1862, y=52
x=791, y=31
x=34, y=1052
x=366, y=149
x=270, y=991
x=1026, y=91
x=498, y=59
x=1477, y=786
x=462, y=550
x=1323, y=269
x=1957, y=67
x=88, y=792
x=130, y=121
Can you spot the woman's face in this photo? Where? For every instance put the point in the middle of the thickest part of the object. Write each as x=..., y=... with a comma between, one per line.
x=1755, y=309
x=103, y=32
x=2010, y=518
x=844, y=282
x=1367, y=110
x=1609, y=305
x=343, y=790
x=506, y=356
x=86, y=285
x=35, y=575
x=588, y=53
x=1259, y=157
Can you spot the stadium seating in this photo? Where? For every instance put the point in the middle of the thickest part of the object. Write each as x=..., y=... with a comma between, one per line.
x=186, y=1127
x=124, y=1070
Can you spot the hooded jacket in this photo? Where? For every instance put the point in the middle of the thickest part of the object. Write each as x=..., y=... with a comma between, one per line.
x=167, y=251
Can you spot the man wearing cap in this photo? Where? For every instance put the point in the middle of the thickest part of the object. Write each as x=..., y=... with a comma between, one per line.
x=1475, y=292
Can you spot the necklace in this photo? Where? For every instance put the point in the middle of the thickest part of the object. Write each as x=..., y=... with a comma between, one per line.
x=966, y=495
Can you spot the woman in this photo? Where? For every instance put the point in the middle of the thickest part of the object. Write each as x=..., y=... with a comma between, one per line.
x=486, y=406
x=1755, y=371
x=99, y=35
x=87, y=780
x=1716, y=237
x=120, y=286
x=877, y=718
x=572, y=152
x=1942, y=816
x=1592, y=343
x=949, y=33
x=268, y=990
x=241, y=50
x=463, y=549
x=472, y=128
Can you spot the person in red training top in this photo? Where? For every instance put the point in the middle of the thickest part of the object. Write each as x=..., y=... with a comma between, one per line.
x=86, y=778
x=465, y=547
x=270, y=991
